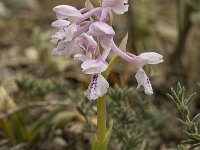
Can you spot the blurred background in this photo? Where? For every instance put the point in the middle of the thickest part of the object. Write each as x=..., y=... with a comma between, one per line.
x=43, y=104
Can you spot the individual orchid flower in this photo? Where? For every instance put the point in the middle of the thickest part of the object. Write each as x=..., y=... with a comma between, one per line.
x=139, y=61
x=90, y=64
x=98, y=85
x=117, y=6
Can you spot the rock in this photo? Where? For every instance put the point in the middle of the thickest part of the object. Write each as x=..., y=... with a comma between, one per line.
x=60, y=142
x=32, y=54
x=4, y=12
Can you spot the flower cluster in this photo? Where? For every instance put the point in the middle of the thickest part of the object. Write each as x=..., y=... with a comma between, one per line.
x=87, y=34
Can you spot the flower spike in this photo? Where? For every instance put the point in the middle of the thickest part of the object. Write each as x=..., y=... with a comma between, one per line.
x=79, y=31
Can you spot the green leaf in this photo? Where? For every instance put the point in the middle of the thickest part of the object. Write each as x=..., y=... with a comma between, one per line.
x=96, y=145
x=189, y=142
x=175, y=96
x=123, y=43
x=195, y=137
x=185, y=111
x=18, y=125
x=107, y=137
x=182, y=122
x=172, y=99
x=196, y=118
x=181, y=147
x=43, y=121
x=198, y=126
x=193, y=128
x=190, y=98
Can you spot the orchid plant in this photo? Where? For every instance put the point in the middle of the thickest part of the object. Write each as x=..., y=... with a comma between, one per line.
x=87, y=35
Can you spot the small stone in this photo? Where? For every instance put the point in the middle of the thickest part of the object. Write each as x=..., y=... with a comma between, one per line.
x=4, y=12
x=60, y=142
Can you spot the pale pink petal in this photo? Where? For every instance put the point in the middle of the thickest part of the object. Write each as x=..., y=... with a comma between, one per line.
x=112, y=3
x=123, y=43
x=143, y=80
x=152, y=57
x=117, y=6
x=56, y=38
x=59, y=50
x=97, y=87
x=148, y=58
x=65, y=34
x=101, y=29
x=66, y=11
x=125, y=1
x=106, y=42
x=65, y=48
x=120, y=10
x=87, y=42
x=104, y=14
x=104, y=32
x=69, y=32
x=60, y=24
x=94, y=66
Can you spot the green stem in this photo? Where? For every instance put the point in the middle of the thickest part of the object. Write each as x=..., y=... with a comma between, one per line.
x=8, y=131
x=112, y=63
x=101, y=119
x=101, y=105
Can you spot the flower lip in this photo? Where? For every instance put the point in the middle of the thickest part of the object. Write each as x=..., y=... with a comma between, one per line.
x=98, y=87
x=65, y=34
x=65, y=48
x=143, y=80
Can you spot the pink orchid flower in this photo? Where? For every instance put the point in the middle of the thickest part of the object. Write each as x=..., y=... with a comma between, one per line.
x=144, y=59
x=90, y=64
x=98, y=85
x=139, y=61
